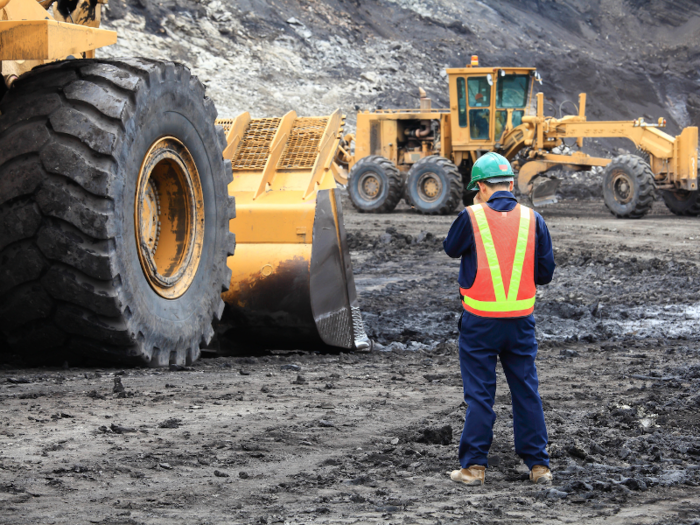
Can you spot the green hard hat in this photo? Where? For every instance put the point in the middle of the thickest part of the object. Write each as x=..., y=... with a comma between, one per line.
x=490, y=166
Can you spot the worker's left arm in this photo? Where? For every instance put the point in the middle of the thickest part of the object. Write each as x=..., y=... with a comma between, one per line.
x=460, y=239
x=545, y=254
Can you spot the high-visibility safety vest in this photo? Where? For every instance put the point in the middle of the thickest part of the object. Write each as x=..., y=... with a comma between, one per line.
x=505, y=248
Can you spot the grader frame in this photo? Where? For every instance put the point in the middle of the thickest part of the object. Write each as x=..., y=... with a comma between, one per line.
x=673, y=160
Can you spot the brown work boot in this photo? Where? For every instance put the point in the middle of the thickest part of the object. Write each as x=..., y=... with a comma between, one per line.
x=473, y=475
x=540, y=474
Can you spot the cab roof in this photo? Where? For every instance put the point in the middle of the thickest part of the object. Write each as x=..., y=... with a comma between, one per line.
x=468, y=70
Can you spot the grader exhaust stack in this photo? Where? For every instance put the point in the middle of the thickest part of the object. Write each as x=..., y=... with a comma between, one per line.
x=292, y=281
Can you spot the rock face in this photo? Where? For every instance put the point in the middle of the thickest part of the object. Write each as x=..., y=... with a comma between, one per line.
x=267, y=57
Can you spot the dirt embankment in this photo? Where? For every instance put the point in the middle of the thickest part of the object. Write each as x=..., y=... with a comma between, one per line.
x=632, y=58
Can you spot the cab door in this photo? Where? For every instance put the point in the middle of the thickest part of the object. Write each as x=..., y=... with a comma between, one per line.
x=474, y=124
x=480, y=117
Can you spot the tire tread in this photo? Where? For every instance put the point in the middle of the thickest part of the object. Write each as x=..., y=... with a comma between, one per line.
x=456, y=185
x=58, y=180
x=689, y=209
x=641, y=171
x=396, y=184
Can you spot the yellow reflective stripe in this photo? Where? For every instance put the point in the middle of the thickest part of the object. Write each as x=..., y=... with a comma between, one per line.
x=520, y=249
x=495, y=306
x=490, y=249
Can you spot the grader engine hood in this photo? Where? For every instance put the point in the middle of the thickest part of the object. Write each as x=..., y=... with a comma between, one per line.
x=292, y=281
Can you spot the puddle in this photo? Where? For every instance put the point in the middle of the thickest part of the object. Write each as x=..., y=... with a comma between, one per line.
x=369, y=283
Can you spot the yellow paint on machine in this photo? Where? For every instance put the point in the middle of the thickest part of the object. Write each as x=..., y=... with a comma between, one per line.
x=49, y=40
x=279, y=166
x=29, y=32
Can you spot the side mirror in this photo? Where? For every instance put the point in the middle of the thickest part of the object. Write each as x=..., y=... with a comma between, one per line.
x=489, y=79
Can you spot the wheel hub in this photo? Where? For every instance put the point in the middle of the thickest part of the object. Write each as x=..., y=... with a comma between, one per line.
x=682, y=195
x=151, y=217
x=622, y=187
x=169, y=217
x=429, y=187
x=370, y=186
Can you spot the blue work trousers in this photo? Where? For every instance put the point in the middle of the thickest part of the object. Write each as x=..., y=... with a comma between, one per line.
x=481, y=340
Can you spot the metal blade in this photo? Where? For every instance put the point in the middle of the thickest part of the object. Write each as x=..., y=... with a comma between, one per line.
x=544, y=191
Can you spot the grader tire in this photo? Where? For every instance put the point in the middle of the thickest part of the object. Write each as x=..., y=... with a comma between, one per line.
x=434, y=186
x=114, y=213
x=683, y=203
x=628, y=187
x=375, y=185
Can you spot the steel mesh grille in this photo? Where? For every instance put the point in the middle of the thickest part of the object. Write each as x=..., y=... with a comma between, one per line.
x=302, y=145
x=254, y=147
x=226, y=123
x=336, y=328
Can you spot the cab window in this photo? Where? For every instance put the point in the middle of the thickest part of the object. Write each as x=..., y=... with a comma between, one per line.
x=479, y=97
x=502, y=120
x=462, y=102
x=511, y=91
x=479, y=92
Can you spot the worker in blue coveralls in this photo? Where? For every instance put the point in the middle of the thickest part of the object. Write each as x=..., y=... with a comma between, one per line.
x=506, y=251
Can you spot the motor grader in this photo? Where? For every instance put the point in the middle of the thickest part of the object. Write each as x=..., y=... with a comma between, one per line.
x=118, y=212
x=425, y=155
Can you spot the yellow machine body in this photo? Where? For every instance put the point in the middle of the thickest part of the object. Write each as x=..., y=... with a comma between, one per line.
x=673, y=160
x=378, y=134
x=292, y=278
x=31, y=36
x=493, y=109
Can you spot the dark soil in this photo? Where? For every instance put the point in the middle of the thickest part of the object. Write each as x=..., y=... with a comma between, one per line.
x=309, y=437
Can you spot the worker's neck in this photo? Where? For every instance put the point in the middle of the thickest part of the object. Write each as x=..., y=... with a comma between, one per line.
x=488, y=193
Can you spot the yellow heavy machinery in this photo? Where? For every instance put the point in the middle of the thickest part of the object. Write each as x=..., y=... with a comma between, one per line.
x=292, y=277
x=117, y=207
x=426, y=154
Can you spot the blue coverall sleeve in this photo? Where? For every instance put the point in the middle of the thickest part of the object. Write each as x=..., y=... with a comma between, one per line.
x=460, y=238
x=545, y=255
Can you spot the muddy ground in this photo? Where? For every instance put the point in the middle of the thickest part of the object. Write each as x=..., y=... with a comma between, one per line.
x=314, y=437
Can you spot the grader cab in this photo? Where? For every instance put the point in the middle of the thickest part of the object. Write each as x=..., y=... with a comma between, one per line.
x=118, y=217
x=425, y=155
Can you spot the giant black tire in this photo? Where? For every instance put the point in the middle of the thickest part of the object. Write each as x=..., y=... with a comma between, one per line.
x=682, y=202
x=628, y=187
x=445, y=185
x=74, y=135
x=375, y=185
